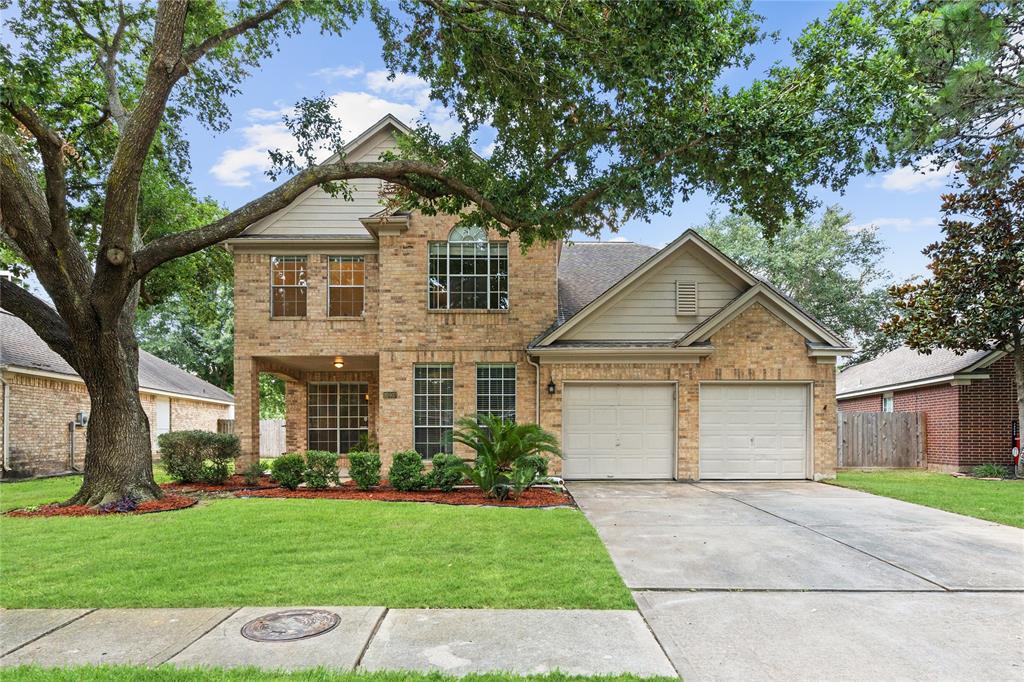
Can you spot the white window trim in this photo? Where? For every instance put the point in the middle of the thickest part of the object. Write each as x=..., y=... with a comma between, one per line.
x=450, y=426
x=340, y=259
x=515, y=386
x=273, y=285
x=362, y=388
x=888, y=401
x=448, y=274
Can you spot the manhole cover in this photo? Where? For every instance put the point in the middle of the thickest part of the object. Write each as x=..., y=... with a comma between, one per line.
x=284, y=626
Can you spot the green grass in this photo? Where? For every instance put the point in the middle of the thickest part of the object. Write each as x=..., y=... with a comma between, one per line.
x=999, y=501
x=169, y=674
x=18, y=494
x=234, y=552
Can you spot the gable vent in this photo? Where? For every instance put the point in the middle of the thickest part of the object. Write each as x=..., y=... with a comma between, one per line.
x=686, y=298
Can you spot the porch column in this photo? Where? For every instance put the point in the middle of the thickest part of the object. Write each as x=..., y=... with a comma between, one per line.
x=247, y=410
x=295, y=404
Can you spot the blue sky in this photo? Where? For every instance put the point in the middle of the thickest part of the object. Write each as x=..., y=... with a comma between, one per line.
x=903, y=204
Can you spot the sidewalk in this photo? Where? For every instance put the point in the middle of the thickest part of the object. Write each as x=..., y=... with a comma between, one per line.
x=454, y=641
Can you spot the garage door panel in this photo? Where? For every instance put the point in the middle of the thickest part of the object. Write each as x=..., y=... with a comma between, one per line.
x=628, y=431
x=753, y=430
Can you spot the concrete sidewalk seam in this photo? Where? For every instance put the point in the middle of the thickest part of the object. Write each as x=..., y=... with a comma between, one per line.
x=828, y=537
x=49, y=632
x=200, y=636
x=658, y=641
x=373, y=633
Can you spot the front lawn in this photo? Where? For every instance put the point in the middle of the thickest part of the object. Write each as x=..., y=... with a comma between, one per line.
x=233, y=552
x=999, y=501
x=169, y=674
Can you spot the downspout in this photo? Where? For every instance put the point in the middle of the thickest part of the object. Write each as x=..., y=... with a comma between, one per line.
x=537, y=389
x=7, y=421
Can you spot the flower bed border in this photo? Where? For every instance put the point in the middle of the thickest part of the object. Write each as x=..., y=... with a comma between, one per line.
x=465, y=496
x=178, y=502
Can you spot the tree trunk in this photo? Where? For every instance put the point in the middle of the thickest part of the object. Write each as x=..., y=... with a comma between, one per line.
x=118, y=452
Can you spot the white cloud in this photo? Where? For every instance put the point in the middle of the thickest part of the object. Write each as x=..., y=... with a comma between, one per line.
x=909, y=179
x=404, y=86
x=898, y=224
x=618, y=238
x=357, y=111
x=334, y=72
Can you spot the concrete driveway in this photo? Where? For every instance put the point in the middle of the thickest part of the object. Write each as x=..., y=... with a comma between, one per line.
x=801, y=580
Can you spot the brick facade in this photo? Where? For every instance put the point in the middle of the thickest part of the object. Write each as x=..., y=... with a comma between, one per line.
x=965, y=425
x=398, y=332
x=41, y=409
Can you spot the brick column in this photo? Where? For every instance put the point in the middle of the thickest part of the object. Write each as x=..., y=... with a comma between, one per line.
x=295, y=407
x=247, y=410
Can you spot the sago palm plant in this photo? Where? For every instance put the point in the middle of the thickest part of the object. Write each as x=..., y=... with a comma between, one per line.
x=503, y=449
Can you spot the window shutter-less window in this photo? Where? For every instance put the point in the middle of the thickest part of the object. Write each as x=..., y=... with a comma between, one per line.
x=686, y=298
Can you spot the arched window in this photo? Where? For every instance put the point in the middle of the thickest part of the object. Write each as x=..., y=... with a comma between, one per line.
x=468, y=272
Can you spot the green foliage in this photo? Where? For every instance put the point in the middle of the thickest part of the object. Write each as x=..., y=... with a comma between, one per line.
x=321, y=469
x=364, y=468
x=406, y=472
x=253, y=472
x=506, y=454
x=832, y=270
x=367, y=442
x=991, y=471
x=288, y=469
x=271, y=397
x=198, y=456
x=445, y=472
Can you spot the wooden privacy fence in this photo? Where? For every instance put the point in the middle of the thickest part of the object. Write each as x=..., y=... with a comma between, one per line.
x=271, y=437
x=881, y=439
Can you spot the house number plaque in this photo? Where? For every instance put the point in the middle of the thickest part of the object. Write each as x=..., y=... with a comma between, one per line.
x=390, y=395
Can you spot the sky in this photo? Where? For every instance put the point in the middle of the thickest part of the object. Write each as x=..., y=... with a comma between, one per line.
x=229, y=166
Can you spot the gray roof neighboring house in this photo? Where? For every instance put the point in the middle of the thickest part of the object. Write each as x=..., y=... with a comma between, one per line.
x=907, y=366
x=21, y=348
x=588, y=269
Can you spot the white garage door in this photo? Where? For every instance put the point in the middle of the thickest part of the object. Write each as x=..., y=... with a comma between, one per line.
x=753, y=431
x=618, y=431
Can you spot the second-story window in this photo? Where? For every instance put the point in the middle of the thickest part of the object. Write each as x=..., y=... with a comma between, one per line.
x=345, y=286
x=467, y=272
x=288, y=286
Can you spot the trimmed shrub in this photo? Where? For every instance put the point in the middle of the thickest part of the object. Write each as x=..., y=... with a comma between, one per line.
x=538, y=463
x=406, y=471
x=364, y=468
x=367, y=442
x=252, y=473
x=321, y=469
x=446, y=472
x=288, y=469
x=990, y=471
x=198, y=456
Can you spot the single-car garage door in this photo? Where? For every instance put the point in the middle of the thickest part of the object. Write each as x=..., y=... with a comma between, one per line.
x=618, y=431
x=753, y=430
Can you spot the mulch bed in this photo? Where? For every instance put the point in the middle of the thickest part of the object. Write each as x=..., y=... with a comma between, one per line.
x=535, y=497
x=233, y=483
x=168, y=503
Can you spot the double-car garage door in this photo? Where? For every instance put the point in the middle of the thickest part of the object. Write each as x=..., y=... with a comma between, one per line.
x=628, y=430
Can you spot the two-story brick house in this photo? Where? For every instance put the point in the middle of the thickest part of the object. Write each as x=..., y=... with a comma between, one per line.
x=648, y=363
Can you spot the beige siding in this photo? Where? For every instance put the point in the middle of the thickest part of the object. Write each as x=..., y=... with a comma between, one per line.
x=317, y=212
x=646, y=311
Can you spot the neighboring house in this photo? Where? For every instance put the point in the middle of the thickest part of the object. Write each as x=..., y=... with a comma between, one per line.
x=647, y=363
x=42, y=398
x=969, y=401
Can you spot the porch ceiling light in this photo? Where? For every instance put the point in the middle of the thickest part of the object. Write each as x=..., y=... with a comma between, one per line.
x=339, y=362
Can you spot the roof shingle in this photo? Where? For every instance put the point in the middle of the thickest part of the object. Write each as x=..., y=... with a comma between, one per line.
x=904, y=365
x=588, y=269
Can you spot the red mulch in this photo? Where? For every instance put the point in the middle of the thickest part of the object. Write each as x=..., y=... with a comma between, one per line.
x=535, y=497
x=168, y=503
x=235, y=482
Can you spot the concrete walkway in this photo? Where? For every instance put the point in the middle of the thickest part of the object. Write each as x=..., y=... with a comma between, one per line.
x=455, y=641
x=806, y=581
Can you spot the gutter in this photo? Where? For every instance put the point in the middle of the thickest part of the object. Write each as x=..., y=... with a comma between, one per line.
x=536, y=387
x=951, y=379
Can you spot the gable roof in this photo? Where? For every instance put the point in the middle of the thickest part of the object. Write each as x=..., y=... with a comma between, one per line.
x=905, y=365
x=21, y=348
x=690, y=236
x=588, y=269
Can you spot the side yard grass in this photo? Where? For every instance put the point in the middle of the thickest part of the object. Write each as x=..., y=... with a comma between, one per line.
x=999, y=501
x=169, y=674
x=233, y=552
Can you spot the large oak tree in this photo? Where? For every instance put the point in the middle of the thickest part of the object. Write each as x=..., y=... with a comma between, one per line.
x=602, y=111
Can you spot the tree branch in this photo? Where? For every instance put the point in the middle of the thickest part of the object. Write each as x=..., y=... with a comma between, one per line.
x=197, y=53
x=51, y=148
x=43, y=319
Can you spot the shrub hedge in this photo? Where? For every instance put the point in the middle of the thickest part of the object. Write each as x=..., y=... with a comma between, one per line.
x=198, y=456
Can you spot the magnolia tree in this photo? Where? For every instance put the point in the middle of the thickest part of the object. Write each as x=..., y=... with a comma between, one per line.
x=974, y=299
x=600, y=112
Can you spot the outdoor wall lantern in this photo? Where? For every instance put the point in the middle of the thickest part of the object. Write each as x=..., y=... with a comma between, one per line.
x=339, y=362
x=551, y=387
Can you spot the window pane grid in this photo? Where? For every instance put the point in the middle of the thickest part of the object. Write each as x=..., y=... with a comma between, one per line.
x=433, y=408
x=337, y=414
x=468, y=276
x=496, y=391
x=288, y=286
x=345, y=282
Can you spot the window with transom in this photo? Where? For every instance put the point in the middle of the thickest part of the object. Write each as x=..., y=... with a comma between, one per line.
x=468, y=272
